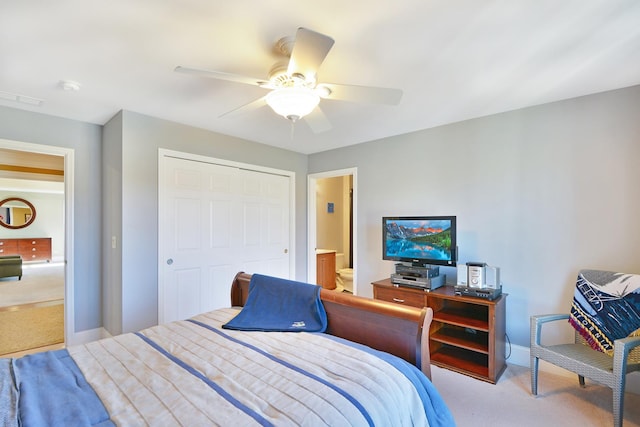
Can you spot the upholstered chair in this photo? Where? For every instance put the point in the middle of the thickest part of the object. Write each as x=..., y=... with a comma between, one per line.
x=11, y=265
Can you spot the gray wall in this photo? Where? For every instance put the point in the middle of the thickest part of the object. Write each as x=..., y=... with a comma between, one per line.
x=112, y=225
x=540, y=192
x=84, y=139
x=133, y=140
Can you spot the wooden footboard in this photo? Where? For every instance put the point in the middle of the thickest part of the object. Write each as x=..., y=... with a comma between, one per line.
x=396, y=329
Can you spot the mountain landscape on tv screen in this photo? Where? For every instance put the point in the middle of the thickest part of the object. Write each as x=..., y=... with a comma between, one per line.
x=409, y=238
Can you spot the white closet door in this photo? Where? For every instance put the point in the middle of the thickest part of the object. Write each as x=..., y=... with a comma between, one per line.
x=214, y=221
x=264, y=204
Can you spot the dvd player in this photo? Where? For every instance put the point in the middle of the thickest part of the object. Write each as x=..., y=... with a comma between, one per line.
x=426, y=283
x=411, y=270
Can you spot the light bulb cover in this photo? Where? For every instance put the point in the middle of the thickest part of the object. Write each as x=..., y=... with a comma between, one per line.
x=293, y=103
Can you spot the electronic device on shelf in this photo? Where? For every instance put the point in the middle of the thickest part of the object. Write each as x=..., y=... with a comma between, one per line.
x=420, y=240
x=477, y=279
x=410, y=270
x=420, y=282
x=421, y=244
x=486, y=293
x=427, y=278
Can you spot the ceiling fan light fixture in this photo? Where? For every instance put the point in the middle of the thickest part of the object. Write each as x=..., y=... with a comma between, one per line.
x=293, y=103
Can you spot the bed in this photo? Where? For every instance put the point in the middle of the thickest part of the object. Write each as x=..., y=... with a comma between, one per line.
x=369, y=366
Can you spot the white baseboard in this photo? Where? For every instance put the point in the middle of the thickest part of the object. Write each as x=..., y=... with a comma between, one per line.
x=84, y=337
x=520, y=356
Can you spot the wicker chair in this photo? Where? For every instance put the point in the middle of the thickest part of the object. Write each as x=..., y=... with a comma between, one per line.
x=580, y=358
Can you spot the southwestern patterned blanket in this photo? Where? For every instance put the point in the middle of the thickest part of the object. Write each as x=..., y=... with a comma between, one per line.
x=606, y=307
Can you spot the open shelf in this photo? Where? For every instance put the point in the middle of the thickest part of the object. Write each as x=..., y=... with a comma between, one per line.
x=459, y=317
x=467, y=338
x=461, y=360
x=467, y=333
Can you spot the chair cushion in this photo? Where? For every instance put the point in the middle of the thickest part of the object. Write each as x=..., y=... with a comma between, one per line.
x=606, y=307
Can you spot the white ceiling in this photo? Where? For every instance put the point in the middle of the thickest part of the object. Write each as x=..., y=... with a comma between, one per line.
x=453, y=59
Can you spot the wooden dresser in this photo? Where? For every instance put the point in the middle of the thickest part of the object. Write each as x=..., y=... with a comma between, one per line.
x=31, y=249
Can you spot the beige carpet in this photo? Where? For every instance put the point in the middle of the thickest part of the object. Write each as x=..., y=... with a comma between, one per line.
x=32, y=309
x=560, y=402
x=31, y=327
x=40, y=282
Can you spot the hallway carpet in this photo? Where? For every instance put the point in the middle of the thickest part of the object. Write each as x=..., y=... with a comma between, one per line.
x=30, y=326
x=40, y=282
x=32, y=309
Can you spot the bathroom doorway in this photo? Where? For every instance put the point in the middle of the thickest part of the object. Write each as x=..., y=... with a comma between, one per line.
x=332, y=224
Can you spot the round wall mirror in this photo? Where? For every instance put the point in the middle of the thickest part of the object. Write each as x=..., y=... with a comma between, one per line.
x=16, y=213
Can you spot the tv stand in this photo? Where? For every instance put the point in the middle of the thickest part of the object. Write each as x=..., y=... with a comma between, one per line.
x=467, y=334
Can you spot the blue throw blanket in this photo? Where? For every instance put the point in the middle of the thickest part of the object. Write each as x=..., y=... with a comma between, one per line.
x=50, y=390
x=606, y=307
x=276, y=304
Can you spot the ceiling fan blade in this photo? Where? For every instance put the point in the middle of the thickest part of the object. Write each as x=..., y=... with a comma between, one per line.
x=309, y=50
x=363, y=94
x=253, y=105
x=317, y=121
x=222, y=76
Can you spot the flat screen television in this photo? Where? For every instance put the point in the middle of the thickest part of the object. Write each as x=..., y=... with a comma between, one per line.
x=420, y=240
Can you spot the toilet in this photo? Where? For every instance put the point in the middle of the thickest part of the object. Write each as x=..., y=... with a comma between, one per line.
x=344, y=274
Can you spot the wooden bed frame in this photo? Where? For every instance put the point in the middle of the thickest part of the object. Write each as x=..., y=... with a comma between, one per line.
x=396, y=329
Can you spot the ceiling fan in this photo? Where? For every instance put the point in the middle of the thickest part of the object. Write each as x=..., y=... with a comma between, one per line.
x=294, y=91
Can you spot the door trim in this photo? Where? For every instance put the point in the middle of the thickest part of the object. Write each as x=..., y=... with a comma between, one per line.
x=163, y=152
x=68, y=154
x=312, y=221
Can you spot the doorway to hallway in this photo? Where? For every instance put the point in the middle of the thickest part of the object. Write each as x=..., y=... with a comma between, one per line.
x=43, y=175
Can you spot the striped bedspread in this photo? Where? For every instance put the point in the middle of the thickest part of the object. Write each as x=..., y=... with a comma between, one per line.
x=194, y=373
